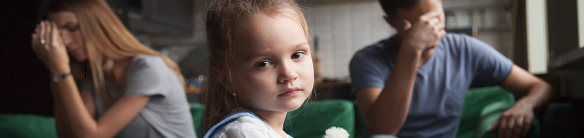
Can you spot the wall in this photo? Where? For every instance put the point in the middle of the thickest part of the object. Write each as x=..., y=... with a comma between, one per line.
x=342, y=28
x=580, y=8
x=537, y=44
x=562, y=18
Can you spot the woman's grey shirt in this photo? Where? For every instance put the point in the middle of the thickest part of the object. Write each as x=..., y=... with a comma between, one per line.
x=167, y=113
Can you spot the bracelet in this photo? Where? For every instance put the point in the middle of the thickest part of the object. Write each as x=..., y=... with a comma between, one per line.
x=58, y=78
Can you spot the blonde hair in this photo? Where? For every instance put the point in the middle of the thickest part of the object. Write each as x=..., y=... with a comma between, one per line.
x=106, y=39
x=222, y=18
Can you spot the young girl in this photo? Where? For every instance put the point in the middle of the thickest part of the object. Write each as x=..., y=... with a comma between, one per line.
x=136, y=91
x=261, y=67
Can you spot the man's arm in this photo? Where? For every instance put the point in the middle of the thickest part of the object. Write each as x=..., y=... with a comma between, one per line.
x=521, y=83
x=385, y=109
x=516, y=121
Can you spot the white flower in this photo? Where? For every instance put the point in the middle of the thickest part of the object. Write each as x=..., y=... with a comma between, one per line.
x=336, y=132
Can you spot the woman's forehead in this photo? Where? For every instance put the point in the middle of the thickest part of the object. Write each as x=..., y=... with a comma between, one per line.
x=62, y=18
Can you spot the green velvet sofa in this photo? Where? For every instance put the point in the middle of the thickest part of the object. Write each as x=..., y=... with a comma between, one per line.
x=482, y=106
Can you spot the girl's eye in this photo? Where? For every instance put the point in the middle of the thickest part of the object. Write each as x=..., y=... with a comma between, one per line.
x=297, y=55
x=264, y=64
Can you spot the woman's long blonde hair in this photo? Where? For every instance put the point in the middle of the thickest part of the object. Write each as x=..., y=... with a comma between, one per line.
x=222, y=18
x=106, y=39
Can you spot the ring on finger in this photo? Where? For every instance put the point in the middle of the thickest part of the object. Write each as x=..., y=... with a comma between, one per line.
x=43, y=41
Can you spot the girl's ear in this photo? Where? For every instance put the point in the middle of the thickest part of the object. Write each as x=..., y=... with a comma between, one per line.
x=220, y=76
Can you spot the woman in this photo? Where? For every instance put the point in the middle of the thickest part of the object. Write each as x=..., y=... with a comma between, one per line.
x=134, y=91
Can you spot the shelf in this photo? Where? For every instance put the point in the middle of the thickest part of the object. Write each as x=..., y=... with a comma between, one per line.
x=570, y=60
x=454, y=5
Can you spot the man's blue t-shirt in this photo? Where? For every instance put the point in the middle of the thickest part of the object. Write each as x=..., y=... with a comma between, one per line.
x=441, y=83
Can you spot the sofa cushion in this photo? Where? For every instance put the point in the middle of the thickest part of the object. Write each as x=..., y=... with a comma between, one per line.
x=313, y=118
x=482, y=107
x=27, y=126
x=198, y=114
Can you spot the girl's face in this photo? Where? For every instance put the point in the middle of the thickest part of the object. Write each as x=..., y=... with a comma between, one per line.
x=273, y=64
x=70, y=34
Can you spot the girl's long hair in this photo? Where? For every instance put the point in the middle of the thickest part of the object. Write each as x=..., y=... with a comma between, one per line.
x=221, y=21
x=106, y=39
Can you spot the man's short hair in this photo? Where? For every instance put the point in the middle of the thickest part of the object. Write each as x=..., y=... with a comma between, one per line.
x=390, y=6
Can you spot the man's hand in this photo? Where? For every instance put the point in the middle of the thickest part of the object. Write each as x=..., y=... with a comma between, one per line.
x=515, y=122
x=533, y=91
x=425, y=33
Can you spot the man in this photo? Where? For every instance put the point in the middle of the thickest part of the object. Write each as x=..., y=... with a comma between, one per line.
x=413, y=84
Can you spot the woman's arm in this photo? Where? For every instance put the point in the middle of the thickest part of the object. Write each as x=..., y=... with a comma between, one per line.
x=89, y=104
x=69, y=106
x=63, y=126
x=81, y=120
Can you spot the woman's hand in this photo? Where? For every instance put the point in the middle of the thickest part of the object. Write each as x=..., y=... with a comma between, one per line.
x=49, y=48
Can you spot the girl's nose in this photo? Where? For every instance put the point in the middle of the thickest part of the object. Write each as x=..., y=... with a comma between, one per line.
x=287, y=73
